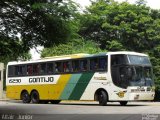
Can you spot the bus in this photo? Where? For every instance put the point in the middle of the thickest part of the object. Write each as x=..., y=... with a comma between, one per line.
x=105, y=77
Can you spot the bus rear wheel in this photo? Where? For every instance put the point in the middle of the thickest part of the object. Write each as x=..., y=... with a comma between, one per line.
x=35, y=97
x=25, y=97
x=55, y=101
x=102, y=98
x=123, y=103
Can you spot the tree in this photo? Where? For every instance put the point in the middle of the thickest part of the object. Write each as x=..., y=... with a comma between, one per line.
x=75, y=46
x=28, y=23
x=106, y=21
x=123, y=26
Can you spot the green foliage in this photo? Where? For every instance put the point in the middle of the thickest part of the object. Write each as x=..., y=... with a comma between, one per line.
x=37, y=22
x=123, y=26
x=72, y=47
x=107, y=21
x=12, y=50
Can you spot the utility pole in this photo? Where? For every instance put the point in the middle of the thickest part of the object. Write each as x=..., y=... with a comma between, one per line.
x=1, y=79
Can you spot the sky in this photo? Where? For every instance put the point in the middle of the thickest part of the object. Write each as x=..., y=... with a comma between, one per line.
x=154, y=4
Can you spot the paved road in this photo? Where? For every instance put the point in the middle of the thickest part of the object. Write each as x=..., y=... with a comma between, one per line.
x=81, y=111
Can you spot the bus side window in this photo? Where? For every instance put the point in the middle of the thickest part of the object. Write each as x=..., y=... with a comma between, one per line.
x=94, y=65
x=103, y=63
x=22, y=70
x=66, y=66
x=50, y=68
x=36, y=68
x=10, y=71
x=58, y=67
x=42, y=68
x=29, y=70
x=83, y=65
x=16, y=70
x=75, y=65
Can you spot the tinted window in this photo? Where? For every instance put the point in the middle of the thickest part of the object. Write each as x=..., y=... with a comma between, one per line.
x=75, y=66
x=10, y=70
x=118, y=59
x=42, y=68
x=99, y=63
x=16, y=72
x=58, y=67
x=103, y=63
x=22, y=70
x=50, y=69
x=83, y=65
x=36, y=68
x=94, y=64
x=29, y=70
x=66, y=66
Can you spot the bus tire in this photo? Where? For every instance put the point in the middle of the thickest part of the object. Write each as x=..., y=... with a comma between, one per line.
x=102, y=98
x=55, y=101
x=25, y=97
x=123, y=103
x=35, y=97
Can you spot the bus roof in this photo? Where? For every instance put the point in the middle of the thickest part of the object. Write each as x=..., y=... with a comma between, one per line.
x=74, y=56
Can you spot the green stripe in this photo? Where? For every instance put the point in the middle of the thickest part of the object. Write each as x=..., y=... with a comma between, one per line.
x=81, y=86
x=70, y=86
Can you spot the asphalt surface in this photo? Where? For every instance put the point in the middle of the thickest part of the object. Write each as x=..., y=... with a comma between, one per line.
x=79, y=110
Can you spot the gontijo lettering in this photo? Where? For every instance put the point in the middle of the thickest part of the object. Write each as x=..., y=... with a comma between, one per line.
x=41, y=79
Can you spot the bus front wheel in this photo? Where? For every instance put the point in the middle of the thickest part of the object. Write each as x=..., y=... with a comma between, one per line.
x=25, y=97
x=35, y=97
x=102, y=98
x=123, y=103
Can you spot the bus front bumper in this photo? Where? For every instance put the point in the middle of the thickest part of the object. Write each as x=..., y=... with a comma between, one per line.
x=141, y=96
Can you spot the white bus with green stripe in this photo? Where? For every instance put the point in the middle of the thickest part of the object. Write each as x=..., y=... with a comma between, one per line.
x=113, y=76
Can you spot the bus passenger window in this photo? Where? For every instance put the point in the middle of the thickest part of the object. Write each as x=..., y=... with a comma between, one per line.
x=29, y=70
x=83, y=65
x=16, y=70
x=43, y=68
x=50, y=68
x=58, y=67
x=102, y=63
x=75, y=65
x=66, y=67
x=36, y=68
x=10, y=71
x=22, y=70
x=94, y=64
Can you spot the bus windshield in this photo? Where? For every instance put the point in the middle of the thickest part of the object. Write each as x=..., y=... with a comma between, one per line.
x=135, y=76
x=142, y=60
x=141, y=76
x=137, y=72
